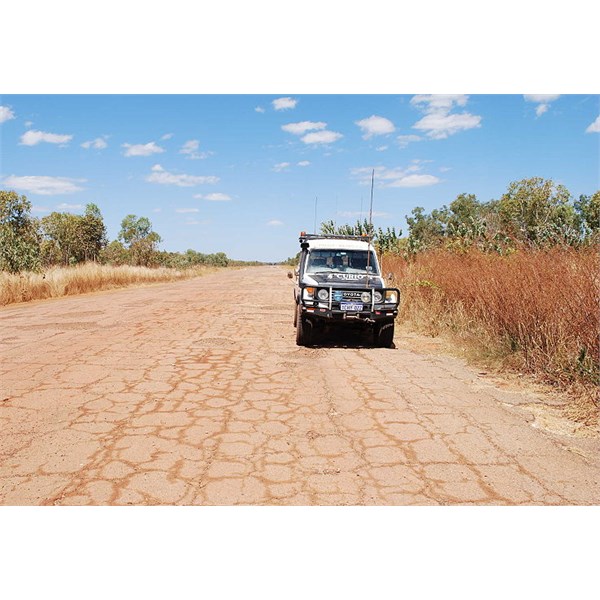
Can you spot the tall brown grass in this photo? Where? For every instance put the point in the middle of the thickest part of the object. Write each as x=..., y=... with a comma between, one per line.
x=80, y=279
x=538, y=311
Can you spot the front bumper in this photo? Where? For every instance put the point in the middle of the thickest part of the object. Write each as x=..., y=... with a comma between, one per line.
x=330, y=310
x=341, y=316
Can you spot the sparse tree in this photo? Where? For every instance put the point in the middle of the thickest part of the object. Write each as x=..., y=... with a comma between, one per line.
x=114, y=253
x=19, y=235
x=361, y=228
x=71, y=239
x=388, y=241
x=425, y=231
x=538, y=212
x=61, y=235
x=137, y=235
x=92, y=232
x=587, y=210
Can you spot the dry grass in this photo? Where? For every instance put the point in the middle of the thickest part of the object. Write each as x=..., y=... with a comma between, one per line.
x=89, y=277
x=536, y=312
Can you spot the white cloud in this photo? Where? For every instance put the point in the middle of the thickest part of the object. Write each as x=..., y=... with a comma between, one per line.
x=542, y=101
x=439, y=122
x=142, y=149
x=541, y=98
x=415, y=181
x=395, y=177
x=381, y=148
x=98, y=144
x=439, y=126
x=159, y=175
x=28, y=123
x=438, y=102
x=33, y=137
x=44, y=185
x=214, y=197
x=303, y=163
x=40, y=209
x=321, y=137
x=187, y=210
x=594, y=127
x=156, y=210
x=538, y=98
x=375, y=125
x=190, y=148
x=281, y=166
x=6, y=114
x=284, y=103
x=167, y=136
x=65, y=206
x=259, y=109
x=405, y=140
x=274, y=223
x=303, y=127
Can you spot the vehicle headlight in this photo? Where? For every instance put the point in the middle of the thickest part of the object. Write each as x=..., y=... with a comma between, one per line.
x=378, y=297
x=309, y=292
x=391, y=296
x=323, y=295
x=365, y=297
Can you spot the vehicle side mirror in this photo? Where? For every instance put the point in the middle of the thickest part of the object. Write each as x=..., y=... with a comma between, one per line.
x=296, y=272
x=290, y=275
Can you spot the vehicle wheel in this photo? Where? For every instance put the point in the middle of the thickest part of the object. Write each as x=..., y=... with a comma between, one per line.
x=303, y=331
x=385, y=335
x=296, y=315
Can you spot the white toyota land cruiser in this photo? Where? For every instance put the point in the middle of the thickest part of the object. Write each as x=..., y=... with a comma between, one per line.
x=338, y=282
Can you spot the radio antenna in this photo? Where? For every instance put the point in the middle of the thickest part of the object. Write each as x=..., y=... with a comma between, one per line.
x=336, y=211
x=369, y=232
x=371, y=208
x=315, y=228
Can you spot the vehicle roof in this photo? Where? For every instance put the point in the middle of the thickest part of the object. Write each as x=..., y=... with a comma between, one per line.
x=337, y=244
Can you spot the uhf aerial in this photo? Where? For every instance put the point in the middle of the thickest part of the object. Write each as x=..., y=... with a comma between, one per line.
x=369, y=232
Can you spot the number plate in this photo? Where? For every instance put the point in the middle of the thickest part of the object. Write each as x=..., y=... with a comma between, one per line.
x=353, y=306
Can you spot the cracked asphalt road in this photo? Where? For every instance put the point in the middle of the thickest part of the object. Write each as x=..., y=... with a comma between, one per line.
x=186, y=394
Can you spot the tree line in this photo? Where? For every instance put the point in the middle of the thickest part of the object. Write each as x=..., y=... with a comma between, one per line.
x=532, y=213
x=28, y=243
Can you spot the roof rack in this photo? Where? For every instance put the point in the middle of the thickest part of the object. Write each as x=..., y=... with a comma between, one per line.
x=319, y=236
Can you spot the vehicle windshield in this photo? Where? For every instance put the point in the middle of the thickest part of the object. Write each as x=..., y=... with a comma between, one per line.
x=342, y=261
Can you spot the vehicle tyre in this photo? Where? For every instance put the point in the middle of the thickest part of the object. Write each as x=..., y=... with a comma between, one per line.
x=296, y=310
x=385, y=335
x=303, y=330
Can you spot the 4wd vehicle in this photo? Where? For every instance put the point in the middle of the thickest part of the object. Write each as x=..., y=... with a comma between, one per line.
x=338, y=283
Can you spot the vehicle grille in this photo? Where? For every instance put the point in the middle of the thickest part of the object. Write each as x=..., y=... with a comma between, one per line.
x=338, y=296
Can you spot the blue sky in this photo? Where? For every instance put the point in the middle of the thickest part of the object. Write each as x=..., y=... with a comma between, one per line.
x=240, y=173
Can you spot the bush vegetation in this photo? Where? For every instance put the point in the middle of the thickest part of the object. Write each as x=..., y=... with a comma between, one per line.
x=65, y=239
x=516, y=279
x=537, y=308
x=64, y=253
